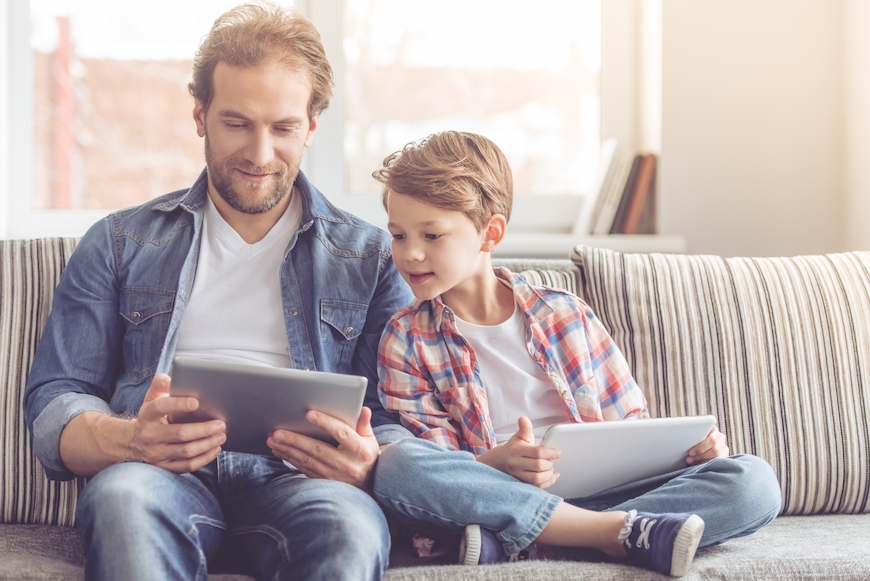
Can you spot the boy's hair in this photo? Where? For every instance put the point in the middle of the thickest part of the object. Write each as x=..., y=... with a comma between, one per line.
x=251, y=35
x=452, y=170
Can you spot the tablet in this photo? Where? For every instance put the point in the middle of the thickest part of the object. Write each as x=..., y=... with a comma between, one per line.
x=601, y=455
x=255, y=400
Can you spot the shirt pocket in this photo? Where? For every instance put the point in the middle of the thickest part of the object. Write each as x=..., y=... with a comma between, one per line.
x=341, y=324
x=146, y=313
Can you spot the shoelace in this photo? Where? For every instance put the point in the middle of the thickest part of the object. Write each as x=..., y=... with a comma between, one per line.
x=645, y=524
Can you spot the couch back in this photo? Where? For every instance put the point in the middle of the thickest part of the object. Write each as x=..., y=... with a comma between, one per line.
x=29, y=271
x=778, y=349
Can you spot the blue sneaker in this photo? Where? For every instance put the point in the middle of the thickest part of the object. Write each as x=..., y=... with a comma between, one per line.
x=662, y=542
x=478, y=546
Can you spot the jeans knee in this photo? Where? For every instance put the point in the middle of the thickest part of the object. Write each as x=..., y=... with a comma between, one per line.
x=121, y=490
x=398, y=460
x=355, y=525
x=754, y=489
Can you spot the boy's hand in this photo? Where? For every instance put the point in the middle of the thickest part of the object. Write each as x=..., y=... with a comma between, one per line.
x=522, y=459
x=713, y=446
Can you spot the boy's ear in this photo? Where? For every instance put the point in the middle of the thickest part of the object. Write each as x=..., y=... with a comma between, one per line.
x=493, y=232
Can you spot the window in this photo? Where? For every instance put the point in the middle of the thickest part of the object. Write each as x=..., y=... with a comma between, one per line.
x=95, y=94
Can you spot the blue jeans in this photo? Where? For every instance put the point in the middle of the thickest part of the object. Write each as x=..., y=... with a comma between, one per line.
x=434, y=491
x=138, y=521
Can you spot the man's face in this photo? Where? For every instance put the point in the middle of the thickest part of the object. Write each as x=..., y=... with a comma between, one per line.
x=256, y=128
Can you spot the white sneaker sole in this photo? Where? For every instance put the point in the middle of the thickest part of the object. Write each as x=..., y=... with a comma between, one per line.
x=686, y=544
x=469, y=546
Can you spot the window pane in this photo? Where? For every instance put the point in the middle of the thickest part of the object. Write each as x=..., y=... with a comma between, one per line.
x=526, y=75
x=113, y=119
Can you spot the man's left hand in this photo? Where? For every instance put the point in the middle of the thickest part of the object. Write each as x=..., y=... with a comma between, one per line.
x=713, y=446
x=351, y=461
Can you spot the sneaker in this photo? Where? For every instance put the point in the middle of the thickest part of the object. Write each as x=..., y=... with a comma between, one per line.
x=662, y=542
x=478, y=546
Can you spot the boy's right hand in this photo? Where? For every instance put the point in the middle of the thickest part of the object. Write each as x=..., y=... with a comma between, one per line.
x=522, y=459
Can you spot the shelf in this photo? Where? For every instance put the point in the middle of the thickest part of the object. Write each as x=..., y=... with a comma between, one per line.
x=559, y=245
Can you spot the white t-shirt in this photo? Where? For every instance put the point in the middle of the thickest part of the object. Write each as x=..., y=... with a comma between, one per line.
x=235, y=312
x=514, y=383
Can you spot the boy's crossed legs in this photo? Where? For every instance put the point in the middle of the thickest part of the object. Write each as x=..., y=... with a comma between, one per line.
x=434, y=490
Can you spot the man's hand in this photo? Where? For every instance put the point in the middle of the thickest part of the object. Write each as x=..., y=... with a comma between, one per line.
x=351, y=462
x=713, y=446
x=522, y=459
x=178, y=448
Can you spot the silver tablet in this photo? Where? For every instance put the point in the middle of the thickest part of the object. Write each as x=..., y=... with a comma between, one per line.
x=254, y=401
x=601, y=455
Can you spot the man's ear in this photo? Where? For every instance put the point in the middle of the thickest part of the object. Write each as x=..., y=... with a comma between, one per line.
x=312, y=125
x=494, y=232
x=199, y=117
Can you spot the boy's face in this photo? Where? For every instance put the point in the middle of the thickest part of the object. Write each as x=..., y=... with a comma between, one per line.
x=437, y=251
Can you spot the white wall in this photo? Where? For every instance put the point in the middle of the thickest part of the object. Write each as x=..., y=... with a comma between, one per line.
x=857, y=72
x=753, y=129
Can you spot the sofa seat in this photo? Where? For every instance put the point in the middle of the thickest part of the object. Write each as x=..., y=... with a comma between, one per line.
x=791, y=548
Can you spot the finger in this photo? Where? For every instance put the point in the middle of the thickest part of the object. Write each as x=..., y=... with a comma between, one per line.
x=311, y=466
x=183, y=466
x=303, y=448
x=539, y=452
x=346, y=436
x=550, y=482
x=526, y=431
x=364, y=423
x=159, y=387
x=156, y=440
x=167, y=406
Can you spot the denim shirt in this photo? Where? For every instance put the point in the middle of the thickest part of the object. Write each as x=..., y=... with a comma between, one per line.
x=116, y=311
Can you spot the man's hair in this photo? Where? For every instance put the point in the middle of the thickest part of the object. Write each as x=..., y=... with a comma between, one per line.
x=251, y=35
x=452, y=170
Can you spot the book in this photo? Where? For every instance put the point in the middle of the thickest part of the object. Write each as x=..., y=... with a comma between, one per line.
x=618, y=215
x=592, y=205
x=609, y=203
x=643, y=184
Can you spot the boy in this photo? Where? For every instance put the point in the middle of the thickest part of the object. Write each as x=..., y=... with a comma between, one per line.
x=482, y=363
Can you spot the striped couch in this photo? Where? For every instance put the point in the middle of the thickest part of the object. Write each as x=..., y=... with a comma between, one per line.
x=778, y=349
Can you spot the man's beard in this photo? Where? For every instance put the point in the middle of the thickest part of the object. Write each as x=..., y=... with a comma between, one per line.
x=219, y=174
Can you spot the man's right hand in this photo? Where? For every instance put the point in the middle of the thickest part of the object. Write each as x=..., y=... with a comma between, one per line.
x=178, y=448
x=92, y=441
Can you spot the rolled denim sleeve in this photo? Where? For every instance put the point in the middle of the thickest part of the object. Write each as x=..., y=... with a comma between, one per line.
x=391, y=294
x=79, y=352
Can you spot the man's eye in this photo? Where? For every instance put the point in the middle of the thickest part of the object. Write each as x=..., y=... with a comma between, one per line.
x=234, y=125
x=286, y=130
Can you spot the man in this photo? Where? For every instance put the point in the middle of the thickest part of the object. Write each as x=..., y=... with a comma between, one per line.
x=250, y=264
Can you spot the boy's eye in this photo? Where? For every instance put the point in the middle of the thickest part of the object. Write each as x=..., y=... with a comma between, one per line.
x=433, y=236
x=398, y=236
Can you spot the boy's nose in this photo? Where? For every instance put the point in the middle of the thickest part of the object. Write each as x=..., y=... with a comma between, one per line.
x=414, y=254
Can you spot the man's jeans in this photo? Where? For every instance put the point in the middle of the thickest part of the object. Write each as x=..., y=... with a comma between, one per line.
x=434, y=490
x=138, y=521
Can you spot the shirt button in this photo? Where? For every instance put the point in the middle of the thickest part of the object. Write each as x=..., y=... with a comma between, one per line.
x=348, y=331
x=293, y=311
x=136, y=316
x=537, y=354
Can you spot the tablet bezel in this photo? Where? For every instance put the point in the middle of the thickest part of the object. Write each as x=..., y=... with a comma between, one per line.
x=273, y=398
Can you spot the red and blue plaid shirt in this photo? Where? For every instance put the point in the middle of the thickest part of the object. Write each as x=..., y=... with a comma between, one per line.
x=429, y=375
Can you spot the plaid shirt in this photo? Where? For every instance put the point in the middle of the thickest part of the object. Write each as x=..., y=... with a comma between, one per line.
x=429, y=375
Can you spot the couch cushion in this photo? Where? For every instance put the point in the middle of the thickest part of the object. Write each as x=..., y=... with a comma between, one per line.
x=778, y=349
x=29, y=271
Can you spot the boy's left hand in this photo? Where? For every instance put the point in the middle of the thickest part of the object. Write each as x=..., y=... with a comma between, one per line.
x=713, y=446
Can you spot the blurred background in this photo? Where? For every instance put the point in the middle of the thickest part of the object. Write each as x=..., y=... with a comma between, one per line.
x=757, y=110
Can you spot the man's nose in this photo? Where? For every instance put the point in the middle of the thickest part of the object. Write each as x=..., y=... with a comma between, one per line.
x=260, y=150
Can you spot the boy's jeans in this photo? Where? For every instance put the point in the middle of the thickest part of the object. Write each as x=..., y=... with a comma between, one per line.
x=138, y=521
x=434, y=490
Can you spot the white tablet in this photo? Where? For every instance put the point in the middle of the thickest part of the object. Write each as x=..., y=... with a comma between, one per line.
x=254, y=400
x=601, y=455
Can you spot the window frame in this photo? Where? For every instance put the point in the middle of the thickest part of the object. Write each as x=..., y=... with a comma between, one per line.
x=532, y=215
